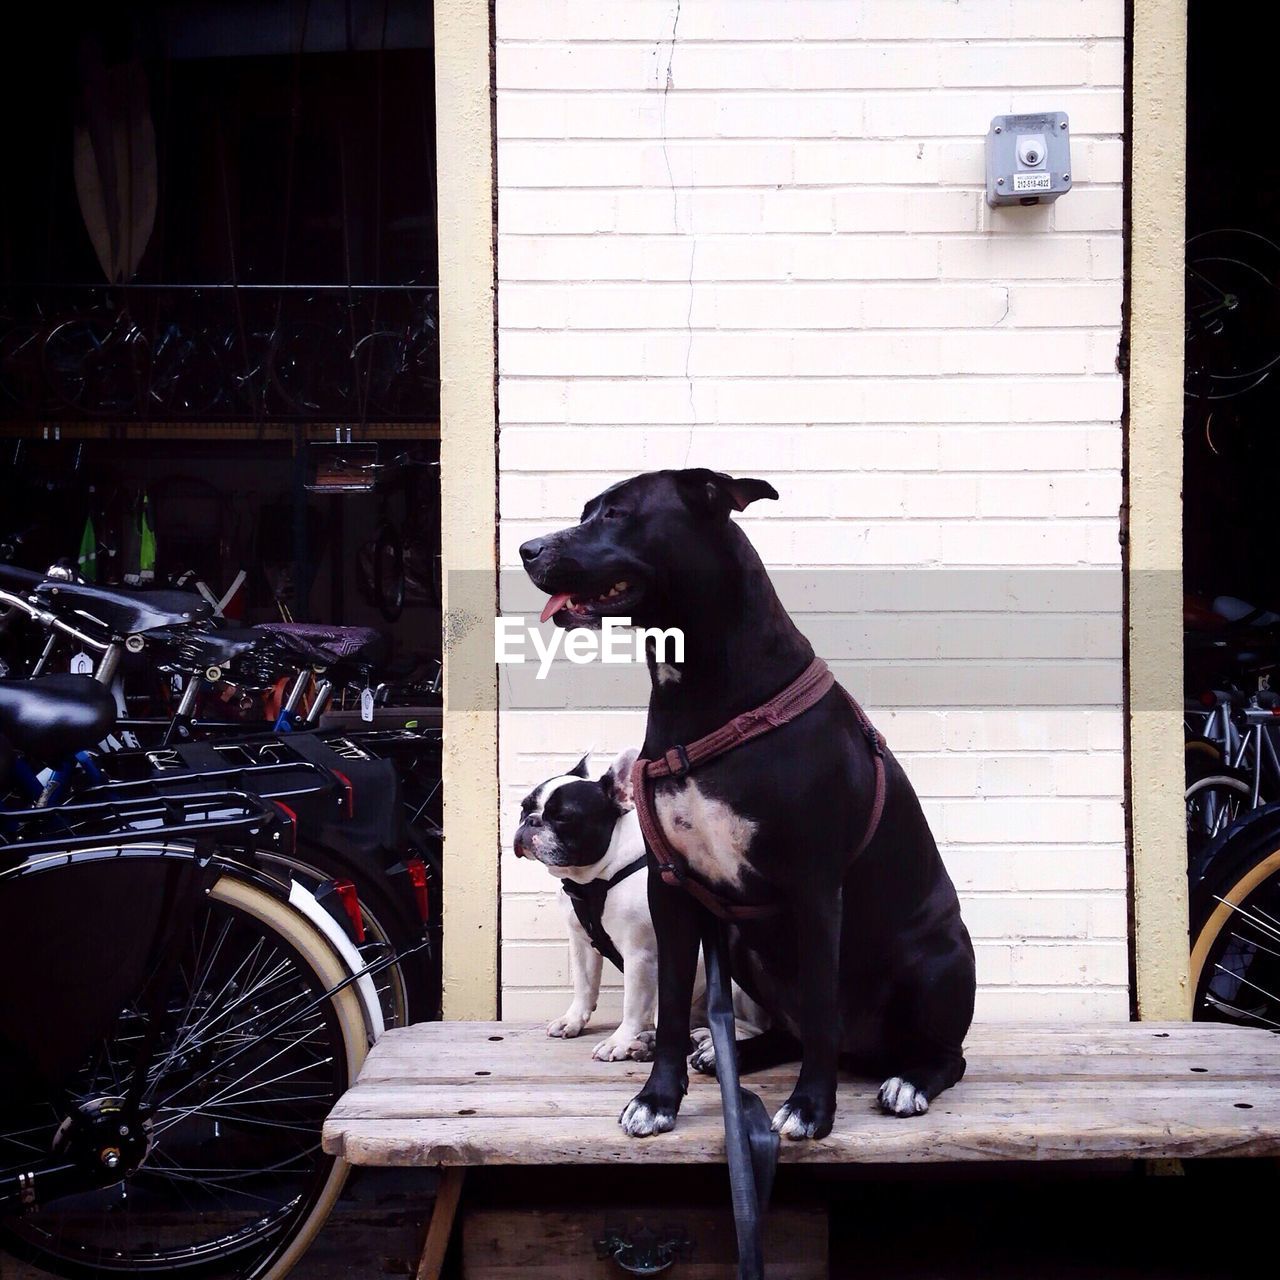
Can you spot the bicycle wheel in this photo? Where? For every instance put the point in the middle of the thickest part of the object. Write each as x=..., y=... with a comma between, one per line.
x=310, y=369
x=1214, y=803
x=1235, y=926
x=187, y=379
x=93, y=365
x=398, y=375
x=377, y=362
x=254, y=1054
x=1232, y=340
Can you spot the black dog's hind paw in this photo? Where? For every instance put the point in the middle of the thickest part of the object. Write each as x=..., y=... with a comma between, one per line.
x=802, y=1118
x=899, y=1097
x=646, y=1115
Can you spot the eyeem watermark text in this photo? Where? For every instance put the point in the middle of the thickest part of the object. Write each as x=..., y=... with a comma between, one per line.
x=611, y=644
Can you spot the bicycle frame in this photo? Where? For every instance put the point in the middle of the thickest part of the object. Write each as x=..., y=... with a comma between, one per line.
x=1245, y=733
x=1260, y=744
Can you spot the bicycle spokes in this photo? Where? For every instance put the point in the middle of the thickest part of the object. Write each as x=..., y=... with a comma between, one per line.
x=233, y=1100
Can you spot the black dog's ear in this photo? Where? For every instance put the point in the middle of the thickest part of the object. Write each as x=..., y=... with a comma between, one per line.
x=579, y=770
x=718, y=494
x=742, y=493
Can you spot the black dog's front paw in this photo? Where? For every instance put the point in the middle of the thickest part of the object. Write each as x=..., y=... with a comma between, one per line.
x=802, y=1117
x=650, y=1112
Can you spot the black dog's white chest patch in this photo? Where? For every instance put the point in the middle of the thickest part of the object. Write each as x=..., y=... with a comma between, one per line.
x=712, y=838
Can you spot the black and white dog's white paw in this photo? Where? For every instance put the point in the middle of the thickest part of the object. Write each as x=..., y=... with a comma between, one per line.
x=702, y=1057
x=642, y=1117
x=623, y=1046
x=569, y=1026
x=800, y=1118
x=899, y=1097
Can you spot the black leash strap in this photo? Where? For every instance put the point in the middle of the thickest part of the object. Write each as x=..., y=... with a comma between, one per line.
x=751, y=1146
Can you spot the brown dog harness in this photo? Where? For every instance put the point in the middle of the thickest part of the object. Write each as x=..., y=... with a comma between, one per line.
x=805, y=691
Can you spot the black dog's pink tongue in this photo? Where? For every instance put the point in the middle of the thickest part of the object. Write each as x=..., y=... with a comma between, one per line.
x=554, y=605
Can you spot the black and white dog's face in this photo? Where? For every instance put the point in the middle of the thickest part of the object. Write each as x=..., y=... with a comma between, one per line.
x=568, y=821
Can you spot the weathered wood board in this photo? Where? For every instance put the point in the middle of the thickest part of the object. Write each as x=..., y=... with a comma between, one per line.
x=461, y=1094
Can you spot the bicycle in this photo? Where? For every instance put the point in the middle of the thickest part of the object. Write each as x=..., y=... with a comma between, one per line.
x=103, y=363
x=243, y=351
x=351, y=869
x=166, y=1081
x=1231, y=725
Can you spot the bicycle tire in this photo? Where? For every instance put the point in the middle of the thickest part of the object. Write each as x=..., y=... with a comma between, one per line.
x=1207, y=963
x=1197, y=748
x=356, y=1047
x=277, y=1253
x=1207, y=821
x=1240, y=879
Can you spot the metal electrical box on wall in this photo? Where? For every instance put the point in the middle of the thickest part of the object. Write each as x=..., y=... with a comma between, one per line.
x=1028, y=158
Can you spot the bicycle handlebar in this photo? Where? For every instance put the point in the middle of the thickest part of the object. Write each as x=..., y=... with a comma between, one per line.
x=50, y=621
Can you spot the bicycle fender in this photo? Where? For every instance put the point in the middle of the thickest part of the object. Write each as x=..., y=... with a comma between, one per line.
x=303, y=900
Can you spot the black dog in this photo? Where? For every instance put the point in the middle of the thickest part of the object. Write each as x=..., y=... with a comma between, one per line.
x=871, y=960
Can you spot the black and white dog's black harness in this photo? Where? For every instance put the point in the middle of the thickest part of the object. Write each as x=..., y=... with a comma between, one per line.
x=588, y=905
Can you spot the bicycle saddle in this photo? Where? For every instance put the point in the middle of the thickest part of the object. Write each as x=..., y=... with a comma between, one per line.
x=325, y=645
x=55, y=716
x=123, y=613
x=20, y=581
x=199, y=650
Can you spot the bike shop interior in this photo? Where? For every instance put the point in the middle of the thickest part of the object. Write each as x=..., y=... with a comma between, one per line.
x=1231, y=452
x=218, y=357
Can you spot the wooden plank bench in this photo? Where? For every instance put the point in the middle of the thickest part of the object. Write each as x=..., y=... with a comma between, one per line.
x=457, y=1095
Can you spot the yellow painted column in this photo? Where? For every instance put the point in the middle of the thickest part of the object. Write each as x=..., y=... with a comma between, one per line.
x=1157, y=186
x=468, y=470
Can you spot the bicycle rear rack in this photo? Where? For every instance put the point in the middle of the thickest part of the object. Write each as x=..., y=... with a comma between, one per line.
x=268, y=781
x=384, y=744
x=228, y=817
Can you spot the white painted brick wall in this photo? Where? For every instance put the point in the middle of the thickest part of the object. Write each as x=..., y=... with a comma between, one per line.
x=762, y=246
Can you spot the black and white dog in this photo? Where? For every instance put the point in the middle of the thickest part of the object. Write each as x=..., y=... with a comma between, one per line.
x=586, y=834
x=870, y=959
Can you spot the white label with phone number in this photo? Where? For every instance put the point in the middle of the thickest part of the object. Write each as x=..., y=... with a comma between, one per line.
x=1032, y=182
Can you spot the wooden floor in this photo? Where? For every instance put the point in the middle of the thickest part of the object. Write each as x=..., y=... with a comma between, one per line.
x=442, y=1094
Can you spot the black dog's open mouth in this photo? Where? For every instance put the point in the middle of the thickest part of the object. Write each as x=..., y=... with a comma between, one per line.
x=583, y=607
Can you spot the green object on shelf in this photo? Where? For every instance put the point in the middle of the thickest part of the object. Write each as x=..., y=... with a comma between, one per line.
x=87, y=561
x=147, y=541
